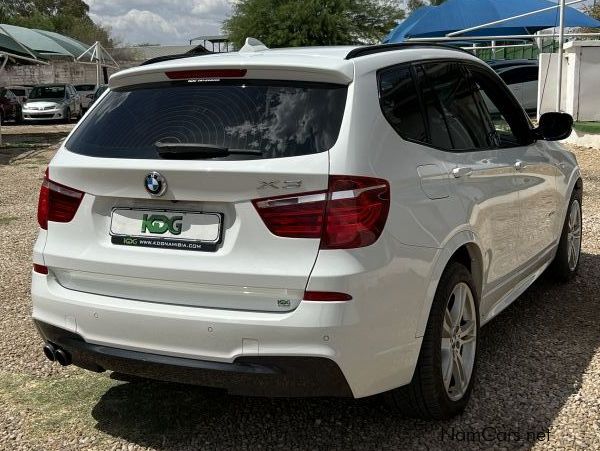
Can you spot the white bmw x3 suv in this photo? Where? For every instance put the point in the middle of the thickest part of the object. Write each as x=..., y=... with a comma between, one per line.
x=311, y=221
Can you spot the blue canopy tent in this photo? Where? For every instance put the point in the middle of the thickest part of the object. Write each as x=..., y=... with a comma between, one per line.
x=455, y=15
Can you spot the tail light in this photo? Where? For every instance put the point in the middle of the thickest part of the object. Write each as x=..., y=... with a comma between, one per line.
x=350, y=214
x=57, y=203
x=40, y=269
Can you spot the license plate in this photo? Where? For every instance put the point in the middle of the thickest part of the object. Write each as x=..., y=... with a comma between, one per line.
x=167, y=229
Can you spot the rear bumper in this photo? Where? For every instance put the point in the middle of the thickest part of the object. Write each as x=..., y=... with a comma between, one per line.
x=256, y=376
x=362, y=340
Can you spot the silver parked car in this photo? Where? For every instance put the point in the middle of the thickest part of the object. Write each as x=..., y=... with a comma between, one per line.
x=53, y=102
x=522, y=80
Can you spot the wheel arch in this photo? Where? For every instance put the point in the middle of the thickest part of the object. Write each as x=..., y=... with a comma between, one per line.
x=462, y=248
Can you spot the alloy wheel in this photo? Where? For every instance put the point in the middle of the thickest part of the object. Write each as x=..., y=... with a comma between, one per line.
x=574, y=235
x=459, y=341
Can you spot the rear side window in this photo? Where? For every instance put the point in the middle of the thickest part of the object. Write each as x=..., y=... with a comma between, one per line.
x=400, y=103
x=439, y=136
x=468, y=128
x=280, y=119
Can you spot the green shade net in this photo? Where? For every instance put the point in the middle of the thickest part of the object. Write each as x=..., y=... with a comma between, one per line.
x=9, y=45
x=73, y=46
x=38, y=42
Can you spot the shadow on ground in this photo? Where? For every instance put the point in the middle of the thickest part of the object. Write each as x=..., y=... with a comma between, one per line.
x=532, y=359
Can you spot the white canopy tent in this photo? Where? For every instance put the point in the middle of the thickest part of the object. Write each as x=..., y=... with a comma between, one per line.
x=99, y=56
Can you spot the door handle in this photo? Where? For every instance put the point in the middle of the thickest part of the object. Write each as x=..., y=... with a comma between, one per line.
x=519, y=165
x=461, y=172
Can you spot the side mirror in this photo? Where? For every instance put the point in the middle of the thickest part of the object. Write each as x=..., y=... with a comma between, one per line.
x=554, y=126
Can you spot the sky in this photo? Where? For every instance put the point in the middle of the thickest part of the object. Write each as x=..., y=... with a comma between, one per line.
x=160, y=21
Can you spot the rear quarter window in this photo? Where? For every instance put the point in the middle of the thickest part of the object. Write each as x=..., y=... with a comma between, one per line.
x=281, y=119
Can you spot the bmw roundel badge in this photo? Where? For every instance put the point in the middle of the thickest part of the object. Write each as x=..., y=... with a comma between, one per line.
x=155, y=184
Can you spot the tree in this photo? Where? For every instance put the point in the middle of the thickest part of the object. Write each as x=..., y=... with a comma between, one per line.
x=285, y=23
x=592, y=11
x=68, y=17
x=414, y=4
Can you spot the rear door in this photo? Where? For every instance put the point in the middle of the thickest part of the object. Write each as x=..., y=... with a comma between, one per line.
x=170, y=172
x=482, y=171
x=532, y=171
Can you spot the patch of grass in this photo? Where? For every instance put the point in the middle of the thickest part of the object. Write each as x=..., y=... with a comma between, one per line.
x=587, y=127
x=56, y=404
x=4, y=220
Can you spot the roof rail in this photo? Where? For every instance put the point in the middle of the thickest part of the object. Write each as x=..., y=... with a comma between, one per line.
x=380, y=48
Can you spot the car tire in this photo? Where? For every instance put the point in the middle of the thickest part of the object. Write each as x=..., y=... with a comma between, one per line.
x=67, y=117
x=565, y=265
x=436, y=391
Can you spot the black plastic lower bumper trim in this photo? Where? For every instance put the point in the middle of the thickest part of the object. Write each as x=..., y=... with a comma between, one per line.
x=256, y=376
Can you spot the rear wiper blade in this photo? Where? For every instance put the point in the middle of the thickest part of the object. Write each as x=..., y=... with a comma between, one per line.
x=193, y=150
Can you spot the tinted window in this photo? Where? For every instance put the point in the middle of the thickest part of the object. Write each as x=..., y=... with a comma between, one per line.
x=18, y=92
x=47, y=92
x=85, y=87
x=99, y=92
x=400, y=103
x=522, y=74
x=510, y=124
x=281, y=119
x=468, y=128
x=434, y=115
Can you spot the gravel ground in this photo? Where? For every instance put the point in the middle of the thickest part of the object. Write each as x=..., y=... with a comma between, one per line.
x=39, y=128
x=538, y=384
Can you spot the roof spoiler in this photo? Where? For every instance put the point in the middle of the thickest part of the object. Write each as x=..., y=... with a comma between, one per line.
x=196, y=51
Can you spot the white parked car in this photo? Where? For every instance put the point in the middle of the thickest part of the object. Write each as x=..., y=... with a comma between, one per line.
x=86, y=92
x=56, y=102
x=321, y=221
x=523, y=82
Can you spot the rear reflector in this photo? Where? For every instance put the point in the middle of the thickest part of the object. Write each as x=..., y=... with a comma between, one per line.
x=350, y=214
x=57, y=203
x=210, y=73
x=326, y=296
x=40, y=269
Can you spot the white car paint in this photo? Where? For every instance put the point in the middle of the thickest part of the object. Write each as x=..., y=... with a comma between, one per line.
x=207, y=306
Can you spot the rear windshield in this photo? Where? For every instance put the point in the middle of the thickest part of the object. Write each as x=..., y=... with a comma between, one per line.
x=47, y=92
x=279, y=119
